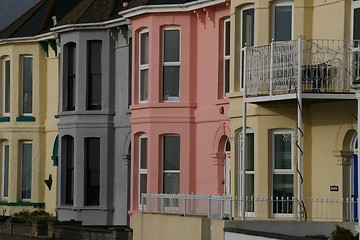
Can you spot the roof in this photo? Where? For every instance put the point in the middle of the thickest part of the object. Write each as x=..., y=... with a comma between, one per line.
x=137, y=3
x=93, y=11
x=39, y=19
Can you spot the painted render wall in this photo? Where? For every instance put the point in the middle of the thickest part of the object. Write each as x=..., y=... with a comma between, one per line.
x=196, y=117
x=111, y=124
x=42, y=132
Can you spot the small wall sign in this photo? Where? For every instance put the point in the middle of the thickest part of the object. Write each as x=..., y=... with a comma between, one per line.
x=334, y=188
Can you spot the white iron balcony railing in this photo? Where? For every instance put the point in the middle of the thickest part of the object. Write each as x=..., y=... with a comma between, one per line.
x=322, y=66
x=258, y=208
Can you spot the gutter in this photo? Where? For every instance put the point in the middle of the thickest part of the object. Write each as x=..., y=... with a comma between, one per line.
x=41, y=37
x=169, y=7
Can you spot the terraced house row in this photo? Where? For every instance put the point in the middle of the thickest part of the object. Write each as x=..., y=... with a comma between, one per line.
x=115, y=111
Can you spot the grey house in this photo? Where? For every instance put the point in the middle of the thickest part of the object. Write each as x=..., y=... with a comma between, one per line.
x=94, y=128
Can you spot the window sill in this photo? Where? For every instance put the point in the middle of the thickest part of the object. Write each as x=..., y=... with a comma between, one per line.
x=4, y=119
x=25, y=119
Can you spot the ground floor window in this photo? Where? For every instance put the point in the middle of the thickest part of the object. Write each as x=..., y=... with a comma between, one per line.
x=26, y=170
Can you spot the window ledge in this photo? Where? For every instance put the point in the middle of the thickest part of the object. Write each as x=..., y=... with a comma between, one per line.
x=25, y=119
x=4, y=119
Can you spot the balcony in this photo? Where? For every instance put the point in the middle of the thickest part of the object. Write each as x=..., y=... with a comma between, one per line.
x=316, y=68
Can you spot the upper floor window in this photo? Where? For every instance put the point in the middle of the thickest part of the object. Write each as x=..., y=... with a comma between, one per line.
x=27, y=84
x=94, y=82
x=6, y=87
x=92, y=171
x=26, y=170
x=226, y=56
x=70, y=81
x=247, y=35
x=282, y=21
x=143, y=65
x=171, y=64
x=356, y=20
x=143, y=157
x=171, y=164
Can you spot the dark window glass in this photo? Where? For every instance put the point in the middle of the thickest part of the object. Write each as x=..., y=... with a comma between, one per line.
x=283, y=22
x=26, y=171
x=171, y=84
x=172, y=45
x=356, y=24
x=92, y=162
x=6, y=171
x=95, y=76
x=248, y=27
x=27, y=87
x=68, y=153
x=143, y=153
x=172, y=152
x=7, y=87
x=71, y=77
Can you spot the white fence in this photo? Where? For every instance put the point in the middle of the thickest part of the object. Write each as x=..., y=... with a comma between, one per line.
x=326, y=66
x=221, y=207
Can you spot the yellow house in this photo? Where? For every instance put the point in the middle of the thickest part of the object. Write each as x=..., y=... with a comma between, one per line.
x=294, y=73
x=29, y=77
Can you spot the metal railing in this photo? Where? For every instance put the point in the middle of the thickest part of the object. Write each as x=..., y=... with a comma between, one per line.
x=326, y=66
x=220, y=207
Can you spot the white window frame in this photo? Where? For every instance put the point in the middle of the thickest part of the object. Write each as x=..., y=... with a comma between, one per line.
x=282, y=171
x=143, y=67
x=225, y=56
x=22, y=86
x=170, y=64
x=22, y=158
x=7, y=59
x=142, y=171
x=5, y=143
x=282, y=3
x=242, y=51
x=162, y=157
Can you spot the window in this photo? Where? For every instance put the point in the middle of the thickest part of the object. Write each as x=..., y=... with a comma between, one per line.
x=5, y=175
x=27, y=88
x=95, y=76
x=68, y=159
x=26, y=170
x=247, y=35
x=143, y=146
x=171, y=164
x=283, y=174
x=143, y=65
x=226, y=56
x=6, y=87
x=92, y=171
x=282, y=21
x=171, y=64
x=70, y=81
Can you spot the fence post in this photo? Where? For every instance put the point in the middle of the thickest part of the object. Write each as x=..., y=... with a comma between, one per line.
x=209, y=207
x=230, y=211
x=185, y=197
x=142, y=202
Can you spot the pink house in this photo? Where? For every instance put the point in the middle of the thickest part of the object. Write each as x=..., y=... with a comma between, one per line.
x=180, y=77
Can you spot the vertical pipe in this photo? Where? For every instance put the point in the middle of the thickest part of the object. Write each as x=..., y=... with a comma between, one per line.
x=299, y=127
x=242, y=198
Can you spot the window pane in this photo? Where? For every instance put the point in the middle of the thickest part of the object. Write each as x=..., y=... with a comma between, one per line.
x=171, y=45
x=283, y=23
x=143, y=153
x=226, y=76
x=144, y=46
x=249, y=191
x=249, y=152
x=27, y=85
x=95, y=76
x=248, y=27
x=283, y=185
x=171, y=152
x=68, y=153
x=26, y=169
x=282, y=152
x=227, y=38
x=71, y=77
x=144, y=85
x=6, y=170
x=171, y=83
x=356, y=24
x=92, y=171
x=7, y=87
x=143, y=183
x=171, y=182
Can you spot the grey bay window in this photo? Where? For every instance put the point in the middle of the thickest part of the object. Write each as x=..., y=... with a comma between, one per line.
x=5, y=172
x=171, y=164
x=92, y=171
x=27, y=84
x=171, y=64
x=282, y=21
x=6, y=87
x=94, y=83
x=67, y=144
x=70, y=81
x=26, y=170
x=144, y=65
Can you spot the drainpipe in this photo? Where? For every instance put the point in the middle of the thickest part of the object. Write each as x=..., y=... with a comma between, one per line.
x=299, y=127
x=242, y=166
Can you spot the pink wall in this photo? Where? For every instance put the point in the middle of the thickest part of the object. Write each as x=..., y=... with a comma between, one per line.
x=196, y=117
